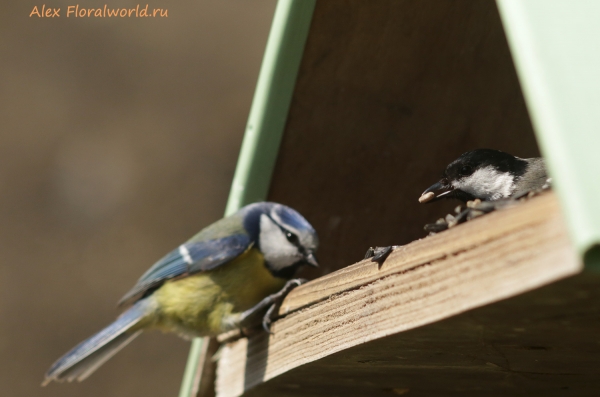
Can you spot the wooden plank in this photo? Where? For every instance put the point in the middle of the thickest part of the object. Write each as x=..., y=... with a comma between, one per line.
x=388, y=93
x=206, y=370
x=423, y=251
x=541, y=343
x=489, y=259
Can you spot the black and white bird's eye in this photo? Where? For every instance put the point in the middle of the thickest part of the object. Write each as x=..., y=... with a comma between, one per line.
x=465, y=170
x=291, y=237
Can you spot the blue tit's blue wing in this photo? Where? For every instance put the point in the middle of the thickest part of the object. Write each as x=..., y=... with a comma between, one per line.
x=189, y=258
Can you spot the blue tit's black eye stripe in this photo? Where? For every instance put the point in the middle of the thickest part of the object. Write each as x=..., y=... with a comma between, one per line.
x=291, y=237
x=189, y=258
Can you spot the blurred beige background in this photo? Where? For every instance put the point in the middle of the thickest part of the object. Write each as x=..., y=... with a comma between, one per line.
x=119, y=139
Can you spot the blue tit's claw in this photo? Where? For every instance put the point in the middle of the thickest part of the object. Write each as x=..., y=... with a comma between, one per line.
x=267, y=319
x=276, y=300
x=272, y=302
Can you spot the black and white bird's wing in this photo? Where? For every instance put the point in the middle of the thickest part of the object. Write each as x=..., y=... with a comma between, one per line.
x=189, y=258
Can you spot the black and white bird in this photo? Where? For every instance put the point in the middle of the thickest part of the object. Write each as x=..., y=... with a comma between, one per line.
x=492, y=176
x=488, y=175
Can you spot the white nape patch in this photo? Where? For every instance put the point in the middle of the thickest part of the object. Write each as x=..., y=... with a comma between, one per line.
x=487, y=184
x=185, y=254
x=275, y=247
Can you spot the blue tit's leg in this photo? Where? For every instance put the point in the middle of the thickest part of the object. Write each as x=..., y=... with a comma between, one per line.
x=268, y=318
x=271, y=302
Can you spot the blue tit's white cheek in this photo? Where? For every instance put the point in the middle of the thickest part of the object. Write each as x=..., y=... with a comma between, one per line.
x=487, y=183
x=275, y=247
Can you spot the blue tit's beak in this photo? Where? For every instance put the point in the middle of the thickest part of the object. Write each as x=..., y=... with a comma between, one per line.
x=438, y=190
x=311, y=259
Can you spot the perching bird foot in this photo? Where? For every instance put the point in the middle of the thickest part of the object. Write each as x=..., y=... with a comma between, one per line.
x=379, y=254
x=271, y=302
x=476, y=208
x=472, y=210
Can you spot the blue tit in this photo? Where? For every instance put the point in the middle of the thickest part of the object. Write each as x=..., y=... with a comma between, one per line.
x=488, y=175
x=227, y=272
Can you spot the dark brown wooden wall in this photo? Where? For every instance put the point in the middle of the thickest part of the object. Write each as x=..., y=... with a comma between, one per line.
x=389, y=92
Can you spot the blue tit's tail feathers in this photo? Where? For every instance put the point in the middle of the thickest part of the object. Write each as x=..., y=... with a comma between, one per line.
x=89, y=355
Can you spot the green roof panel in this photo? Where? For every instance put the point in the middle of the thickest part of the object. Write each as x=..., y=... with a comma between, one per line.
x=555, y=47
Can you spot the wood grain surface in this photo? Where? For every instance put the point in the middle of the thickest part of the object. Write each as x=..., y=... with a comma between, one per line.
x=389, y=92
x=495, y=257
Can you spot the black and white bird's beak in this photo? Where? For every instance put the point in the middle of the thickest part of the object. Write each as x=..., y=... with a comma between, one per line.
x=439, y=190
x=311, y=259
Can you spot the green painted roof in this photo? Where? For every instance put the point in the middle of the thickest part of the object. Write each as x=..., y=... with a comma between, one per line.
x=264, y=129
x=555, y=47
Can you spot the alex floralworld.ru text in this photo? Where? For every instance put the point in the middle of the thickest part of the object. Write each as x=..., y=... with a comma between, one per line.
x=104, y=12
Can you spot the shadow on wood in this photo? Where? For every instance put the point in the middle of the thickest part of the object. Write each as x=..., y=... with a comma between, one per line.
x=256, y=364
x=491, y=258
x=540, y=343
x=388, y=93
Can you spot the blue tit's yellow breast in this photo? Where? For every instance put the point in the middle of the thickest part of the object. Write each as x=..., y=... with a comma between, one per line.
x=201, y=303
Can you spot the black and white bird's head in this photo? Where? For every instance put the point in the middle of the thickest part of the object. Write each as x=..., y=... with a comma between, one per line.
x=286, y=240
x=488, y=175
